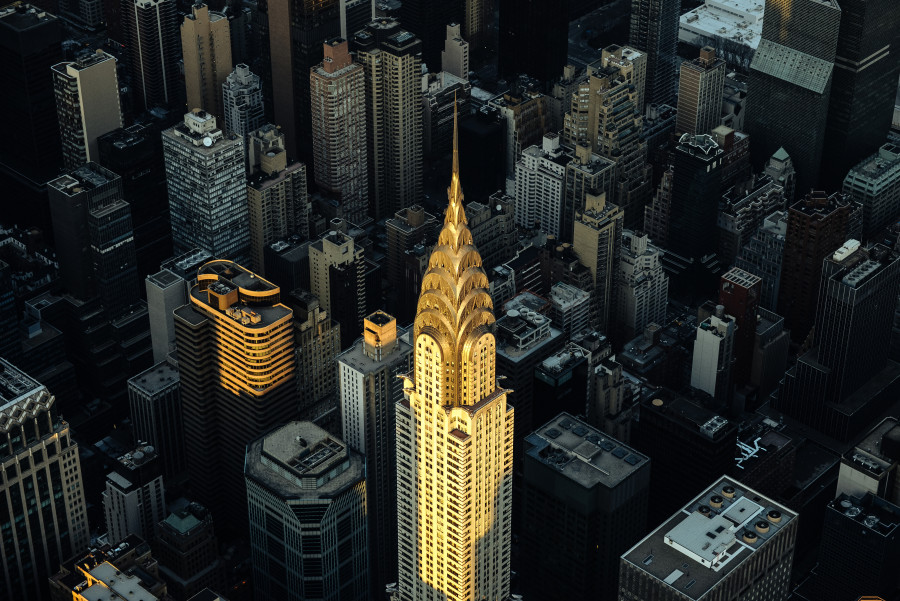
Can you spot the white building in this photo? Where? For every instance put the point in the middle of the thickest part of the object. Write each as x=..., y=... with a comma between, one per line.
x=643, y=285
x=716, y=21
x=713, y=350
x=166, y=291
x=207, y=184
x=570, y=308
x=242, y=101
x=455, y=55
x=134, y=499
x=540, y=183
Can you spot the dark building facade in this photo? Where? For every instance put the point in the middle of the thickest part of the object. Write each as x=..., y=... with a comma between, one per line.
x=654, y=30
x=864, y=88
x=739, y=293
x=428, y=21
x=585, y=497
x=534, y=38
x=790, y=82
x=150, y=28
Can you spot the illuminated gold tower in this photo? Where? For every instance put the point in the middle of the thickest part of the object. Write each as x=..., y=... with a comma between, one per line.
x=235, y=351
x=454, y=432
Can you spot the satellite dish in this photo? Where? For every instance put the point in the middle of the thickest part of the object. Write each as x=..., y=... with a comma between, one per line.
x=207, y=141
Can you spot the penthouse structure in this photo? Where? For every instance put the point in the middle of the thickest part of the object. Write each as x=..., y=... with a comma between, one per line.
x=875, y=184
x=872, y=465
x=729, y=543
x=235, y=344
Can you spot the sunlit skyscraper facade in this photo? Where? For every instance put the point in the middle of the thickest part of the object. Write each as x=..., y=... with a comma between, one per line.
x=454, y=432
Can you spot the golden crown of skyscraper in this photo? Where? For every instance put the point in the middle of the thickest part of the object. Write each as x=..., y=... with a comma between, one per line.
x=454, y=307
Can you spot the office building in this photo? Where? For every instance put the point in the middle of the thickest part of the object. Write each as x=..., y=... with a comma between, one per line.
x=566, y=378
x=242, y=101
x=166, y=291
x=570, y=308
x=859, y=549
x=277, y=198
x=523, y=22
x=856, y=298
x=739, y=293
x=448, y=547
x=455, y=55
x=742, y=210
x=31, y=42
x=87, y=103
x=154, y=397
x=207, y=186
x=493, y=227
x=642, y=286
x=613, y=406
x=763, y=256
x=770, y=353
x=605, y=114
x=428, y=21
x=713, y=364
x=44, y=452
x=871, y=466
x=656, y=214
x=95, y=237
x=817, y=226
x=805, y=38
x=780, y=167
x=135, y=154
x=151, y=42
x=337, y=278
x=228, y=394
x=728, y=543
x=524, y=114
x=296, y=34
x=392, y=62
x=441, y=92
x=318, y=340
x=482, y=139
x=654, y=30
x=306, y=498
x=540, y=180
x=586, y=173
x=585, y=497
x=133, y=502
x=407, y=229
x=863, y=94
x=370, y=388
x=85, y=13
x=675, y=431
x=598, y=244
x=696, y=193
x=339, y=129
x=733, y=24
x=206, y=55
x=875, y=184
x=700, y=90
x=188, y=554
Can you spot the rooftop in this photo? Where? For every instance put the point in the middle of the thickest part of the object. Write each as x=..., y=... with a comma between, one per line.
x=14, y=384
x=187, y=519
x=22, y=17
x=112, y=585
x=356, y=357
x=882, y=165
x=301, y=460
x=86, y=177
x=879, y=450
x=876, y=515
x=582, y=453
x=738, y=20
x=227, y=288
x=709, y=538
x=689, y=415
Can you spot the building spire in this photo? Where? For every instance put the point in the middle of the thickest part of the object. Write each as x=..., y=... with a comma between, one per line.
x=455, y=213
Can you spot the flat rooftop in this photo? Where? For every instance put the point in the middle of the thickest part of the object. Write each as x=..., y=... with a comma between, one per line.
x=356, y=358
x=24, y=16
x=709, y=538
x=582, y=453
x=294, y=460
x=871, y=454
x=253, y=302
x=737, y=20
x=15, y=385
x=87, y=177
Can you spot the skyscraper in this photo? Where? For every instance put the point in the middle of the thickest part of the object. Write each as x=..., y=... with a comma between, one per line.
x=337, y=278
x=87, y=103
x=856, y=299
x=297, y=31
x=277, y=198
x=242, y=101
x=454, y=433
x=522, y=22
x=151, y=41
x=540, y=180
x=154, y=397
x=370, y=388
x=816, y=227
x=875, y=184
x=428, y=21
x=306, y=498
x=206, y=53
x=643, y=287
x=455, y=55
x=711, y=370
x=187, y=550
x=406, y=229
x=338, y=100
x=134, y=499
x=586, y=173
x=43, y=486
x=763, y=257
x=865, y=84
x=700, y=93
x=235, y=346
x=585, y=498
x=739, y=293
x=598, y=244
x=207, y=187
x=392, y=59
x=318, y=340
x=654, y=31
x=728, y=543
x=791, y=71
